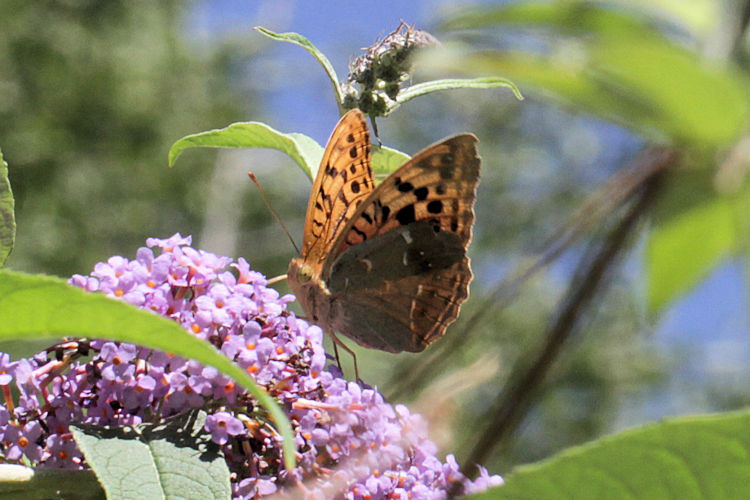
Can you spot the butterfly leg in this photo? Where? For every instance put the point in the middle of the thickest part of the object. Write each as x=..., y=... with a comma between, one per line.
x=336, y=353
x=338, y=342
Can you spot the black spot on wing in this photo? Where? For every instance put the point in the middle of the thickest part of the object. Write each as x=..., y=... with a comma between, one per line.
x=385, y=211
x=435, y=206
x=406, y=215
x=421, y=193
x=405, y=187
x=327, y=198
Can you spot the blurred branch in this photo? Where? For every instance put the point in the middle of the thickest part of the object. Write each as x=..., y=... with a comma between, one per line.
x=515, y=401
x=612, y=194
x=742, y=26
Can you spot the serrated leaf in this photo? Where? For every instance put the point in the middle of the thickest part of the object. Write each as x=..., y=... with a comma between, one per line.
x=7, y=214
x=306, y=44
x=420, y=89
x=386, y=160
x=684, y=249
x=33, y=306
x=686, y=458
x=301, y=148
x=176, y=459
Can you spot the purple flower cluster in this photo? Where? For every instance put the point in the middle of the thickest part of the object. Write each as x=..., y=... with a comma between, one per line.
x=350, y=443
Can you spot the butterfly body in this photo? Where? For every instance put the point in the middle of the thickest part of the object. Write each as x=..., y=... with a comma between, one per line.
x=387, y=266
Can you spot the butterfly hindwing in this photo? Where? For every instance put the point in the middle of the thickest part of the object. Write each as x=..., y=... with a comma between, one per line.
x=410, y=282
x=407, y=315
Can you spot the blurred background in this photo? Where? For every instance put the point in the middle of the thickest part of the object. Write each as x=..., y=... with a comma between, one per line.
x=93, y=94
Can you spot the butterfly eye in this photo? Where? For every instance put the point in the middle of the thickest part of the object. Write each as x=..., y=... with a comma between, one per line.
x=305, y=273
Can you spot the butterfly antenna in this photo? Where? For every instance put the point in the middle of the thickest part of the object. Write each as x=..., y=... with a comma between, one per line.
x=273, y=212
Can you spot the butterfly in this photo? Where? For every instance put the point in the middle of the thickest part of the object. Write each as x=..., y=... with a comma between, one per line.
x=386, y=265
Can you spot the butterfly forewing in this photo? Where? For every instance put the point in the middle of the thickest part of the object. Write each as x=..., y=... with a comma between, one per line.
x=437, y=185
x=343, y=180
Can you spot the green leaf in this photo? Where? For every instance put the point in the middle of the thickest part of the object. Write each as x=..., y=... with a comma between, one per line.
x=33, y=306
x=7, y=214
x=618, y=66
x=667, y=77
x=574, y=16
x=683, y=250
x=18, y=482
x=686, y=458
x=419, y=89
x=386, y=160
x=302, y=149
x=306, y=44
x=176, y=459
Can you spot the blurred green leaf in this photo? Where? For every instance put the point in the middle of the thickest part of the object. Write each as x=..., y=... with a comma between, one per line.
x=7, y=213
x=618, y=66
x=684, y=249
x=420, y=89
x=18, y=482
x=698, y=16
x=687, y=458
x=386, y=160
x=302, y=149
x=691, y=101
x=577, y=17
x=33, y=306
x=171, y=460
x=306, y=44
